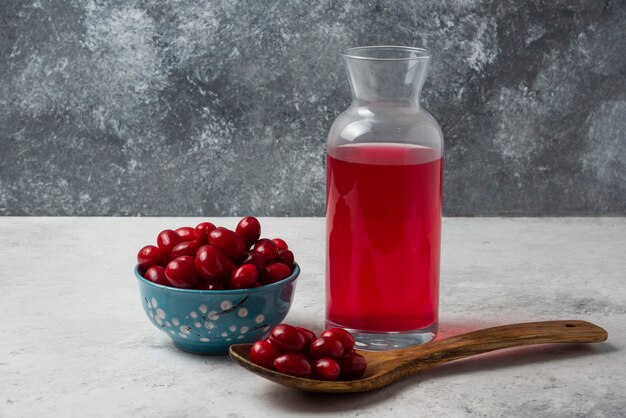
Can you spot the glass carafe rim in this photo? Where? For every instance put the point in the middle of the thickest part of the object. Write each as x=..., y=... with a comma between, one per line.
x=412, y=53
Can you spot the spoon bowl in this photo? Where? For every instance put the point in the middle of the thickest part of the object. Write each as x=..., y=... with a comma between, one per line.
x=387, y=367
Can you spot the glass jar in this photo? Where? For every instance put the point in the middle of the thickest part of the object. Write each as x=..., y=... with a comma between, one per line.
x=383, y=212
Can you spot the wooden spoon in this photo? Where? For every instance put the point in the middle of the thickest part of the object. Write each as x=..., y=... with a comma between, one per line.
x=387, y=367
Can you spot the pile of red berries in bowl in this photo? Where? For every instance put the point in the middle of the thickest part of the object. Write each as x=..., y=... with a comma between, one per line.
x=208, y=287
x=206, y=257
x=297, y=351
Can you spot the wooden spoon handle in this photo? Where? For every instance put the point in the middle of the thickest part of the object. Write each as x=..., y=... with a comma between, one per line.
x=506, y=336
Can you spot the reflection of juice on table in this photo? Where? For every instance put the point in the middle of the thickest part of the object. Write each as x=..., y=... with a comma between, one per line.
x=383, y=236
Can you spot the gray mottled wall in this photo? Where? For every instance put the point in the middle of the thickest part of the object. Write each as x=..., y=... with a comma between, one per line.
x=204, y=107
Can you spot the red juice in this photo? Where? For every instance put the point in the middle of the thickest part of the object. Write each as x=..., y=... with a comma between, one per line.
x=383, y=226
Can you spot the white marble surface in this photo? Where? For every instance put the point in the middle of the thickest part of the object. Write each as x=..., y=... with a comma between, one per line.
x=74, y=340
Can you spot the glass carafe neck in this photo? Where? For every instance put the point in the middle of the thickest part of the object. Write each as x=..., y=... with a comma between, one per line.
x=388, y=75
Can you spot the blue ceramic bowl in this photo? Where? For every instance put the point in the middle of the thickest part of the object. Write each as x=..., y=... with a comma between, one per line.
x=209, y=321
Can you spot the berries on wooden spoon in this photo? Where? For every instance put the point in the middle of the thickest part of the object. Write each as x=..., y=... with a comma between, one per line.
x=297, y=351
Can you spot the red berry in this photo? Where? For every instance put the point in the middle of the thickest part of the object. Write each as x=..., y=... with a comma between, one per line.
x=156, y=274
x=186, y=233
x=148, y=256
x=227, y=242
x=285, y=257
x=166, y=240
x=344, y=337
x=253, y=258
x=263, y=353
x=326, y=369
x=243, y=277
x=309, y=336
x=181, y=272
x=209, y=263
x=201, y=232
x=249, y=229
x=267, y=249
x=326, y=347
x=293, y=364
x=274, y=272
x=352, y=366
x=185, y=248
x=280, y=244
x=286, y=338
x=229, y=268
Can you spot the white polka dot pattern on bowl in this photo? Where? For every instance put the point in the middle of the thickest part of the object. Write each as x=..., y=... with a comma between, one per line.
x=196, y=324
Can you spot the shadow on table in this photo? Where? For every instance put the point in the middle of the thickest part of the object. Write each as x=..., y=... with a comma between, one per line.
x=291, y=400
x=213, y=359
